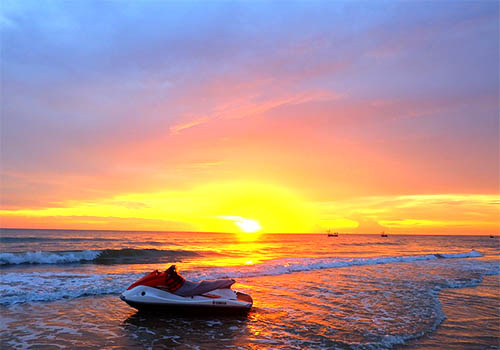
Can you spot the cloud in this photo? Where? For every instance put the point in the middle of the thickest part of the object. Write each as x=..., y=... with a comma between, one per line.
x=175, y=129
x=93, y=223
x=256, y=105
x=470, y=214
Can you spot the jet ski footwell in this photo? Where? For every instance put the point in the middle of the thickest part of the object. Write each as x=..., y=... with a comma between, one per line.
x=219, y=301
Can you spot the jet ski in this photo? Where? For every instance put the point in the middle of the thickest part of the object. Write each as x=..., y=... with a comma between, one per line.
x=151, y=293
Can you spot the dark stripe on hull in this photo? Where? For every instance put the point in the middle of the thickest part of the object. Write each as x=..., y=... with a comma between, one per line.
x=187, y=309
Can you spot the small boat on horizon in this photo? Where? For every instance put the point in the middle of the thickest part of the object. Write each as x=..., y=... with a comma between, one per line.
x=383, y=234
x=335, y=234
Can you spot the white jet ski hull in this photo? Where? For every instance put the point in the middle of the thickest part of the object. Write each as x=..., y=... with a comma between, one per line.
x=146, y=298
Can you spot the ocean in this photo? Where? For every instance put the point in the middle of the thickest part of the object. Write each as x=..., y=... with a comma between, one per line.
x=60, y=290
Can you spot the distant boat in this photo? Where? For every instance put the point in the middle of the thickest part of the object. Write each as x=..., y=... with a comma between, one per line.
x=491, y=236
x=335, y=234
x=383, y=234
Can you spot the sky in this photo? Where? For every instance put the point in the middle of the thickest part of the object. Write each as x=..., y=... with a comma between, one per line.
x=230, y=116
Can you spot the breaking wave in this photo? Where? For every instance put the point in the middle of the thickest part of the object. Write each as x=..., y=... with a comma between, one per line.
x=20, y=287
x=145, y=256
x=107, y=256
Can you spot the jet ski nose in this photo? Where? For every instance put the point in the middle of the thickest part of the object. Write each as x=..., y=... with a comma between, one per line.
x=122, y=297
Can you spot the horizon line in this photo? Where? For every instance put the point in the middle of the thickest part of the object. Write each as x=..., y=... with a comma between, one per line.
x=260, y=233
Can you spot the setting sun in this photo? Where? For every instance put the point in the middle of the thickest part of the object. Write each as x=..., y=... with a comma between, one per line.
x=246, y=225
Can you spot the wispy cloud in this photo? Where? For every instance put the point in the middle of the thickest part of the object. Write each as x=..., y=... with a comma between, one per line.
x=255, y=105
x=435, y=213
x=175, y=129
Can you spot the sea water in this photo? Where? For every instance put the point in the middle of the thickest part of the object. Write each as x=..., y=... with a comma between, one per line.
x=60, y=288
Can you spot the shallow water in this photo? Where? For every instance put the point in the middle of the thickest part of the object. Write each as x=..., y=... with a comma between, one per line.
x=472, y=319
x=309, y=291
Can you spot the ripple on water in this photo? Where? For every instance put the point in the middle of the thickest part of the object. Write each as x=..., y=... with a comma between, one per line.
x=356, y=307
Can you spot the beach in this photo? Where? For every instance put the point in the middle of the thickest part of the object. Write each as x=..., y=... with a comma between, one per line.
x=309, y=291
x=338, y=159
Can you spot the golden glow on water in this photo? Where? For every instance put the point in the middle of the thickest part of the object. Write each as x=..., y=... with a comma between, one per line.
x=244, y=253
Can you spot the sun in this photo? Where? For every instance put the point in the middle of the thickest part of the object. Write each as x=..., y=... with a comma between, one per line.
x=248, y=225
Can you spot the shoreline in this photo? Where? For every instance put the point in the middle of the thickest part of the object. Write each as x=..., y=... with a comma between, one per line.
x=462, y=315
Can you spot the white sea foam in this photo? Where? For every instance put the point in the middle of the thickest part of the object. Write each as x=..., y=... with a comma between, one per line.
x=471, y=254
x=44, y=257
x=106, y=256
x=21, y=287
